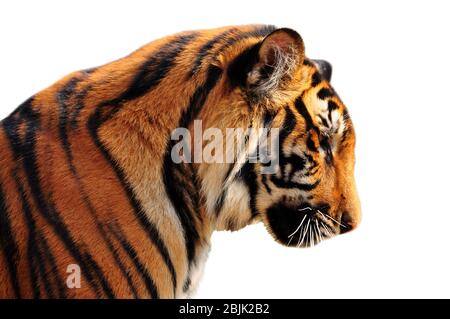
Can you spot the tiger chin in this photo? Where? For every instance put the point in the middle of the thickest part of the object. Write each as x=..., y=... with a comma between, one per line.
x=92, y=203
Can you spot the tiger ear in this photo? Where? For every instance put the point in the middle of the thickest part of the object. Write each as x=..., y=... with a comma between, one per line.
x=279, y=55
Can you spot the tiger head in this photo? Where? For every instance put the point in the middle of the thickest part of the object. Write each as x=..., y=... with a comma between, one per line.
x=310, y=195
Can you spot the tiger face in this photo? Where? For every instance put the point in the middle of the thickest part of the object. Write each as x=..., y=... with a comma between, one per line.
x=311, y=194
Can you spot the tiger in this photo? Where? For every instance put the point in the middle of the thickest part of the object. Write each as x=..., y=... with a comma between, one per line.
x=88, y=184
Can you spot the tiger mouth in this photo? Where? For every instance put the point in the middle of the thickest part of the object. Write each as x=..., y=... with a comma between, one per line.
x=301, y=226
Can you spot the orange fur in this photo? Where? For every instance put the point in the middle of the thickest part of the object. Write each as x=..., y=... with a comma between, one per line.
x=106, y=185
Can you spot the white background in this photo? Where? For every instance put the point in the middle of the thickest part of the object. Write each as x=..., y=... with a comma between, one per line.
x=391, y=68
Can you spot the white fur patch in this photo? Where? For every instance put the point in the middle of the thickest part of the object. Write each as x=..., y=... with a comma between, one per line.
x=196, y=273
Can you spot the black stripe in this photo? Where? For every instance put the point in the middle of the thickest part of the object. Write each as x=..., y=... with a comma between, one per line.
x=103, y=234
x=220, y=200
x=183, y=192
x=316, y=79
x=187, y=284
x=279, y=182
x=26, y=151
x=11, y=124
x=288, y=126
x=57, y=280
x=266, y=185
x=268, y=118
x=34, y=276
x=295, y=162
x=324, y=93
x=63, y=97
x=150, y=75
x=204, y=50
x=346, y=132
x=307, y=62
x=331, y=107
x=242, y=64
x=310, y=144
x=152, y=232
x=44, y=273
x=154, y=69
x=199, y=97
x=8, y=244
x=100, y=276
x=176, y=186
x=36, y=264
x=248, y=175
x=260, y=31
x=35, y=255
x=326, y=147
x=235, y=36
x=79, y=106
x=310, y=160
x=301, y=108
x=132, y=253
x=125, y=272
x=100, y=226
x=286, y=129
x=324, y=121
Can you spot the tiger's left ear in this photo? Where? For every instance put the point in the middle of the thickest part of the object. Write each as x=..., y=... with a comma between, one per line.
x=279, y=56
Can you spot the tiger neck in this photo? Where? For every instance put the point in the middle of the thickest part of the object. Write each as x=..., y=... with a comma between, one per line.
x=167, y=192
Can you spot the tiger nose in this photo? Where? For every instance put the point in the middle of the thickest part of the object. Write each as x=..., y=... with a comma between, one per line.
x=347, y=223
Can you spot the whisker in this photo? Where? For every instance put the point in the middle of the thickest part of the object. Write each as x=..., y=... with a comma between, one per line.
x=328, y=216
x=328, y=229
x=314, y=236
x=304, y=234
x=297, y=227
x=318, y=230
x=289, y=242
x=322, y=222
x=291, y=236
x=324, y=228
x=308, y=237
x=301, y=233
x=303, y=209
x=317, y=233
